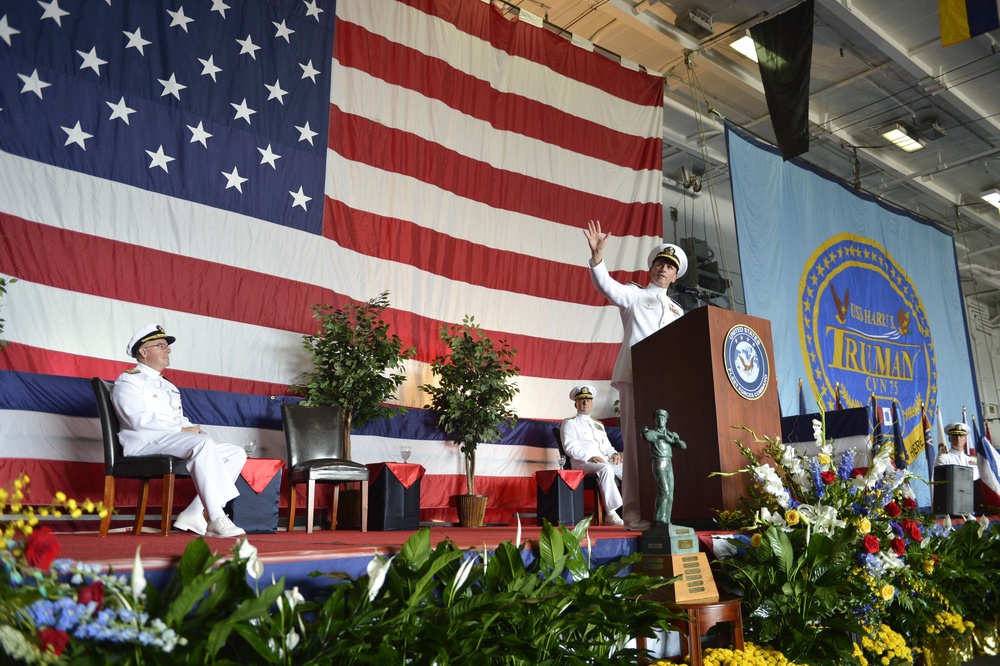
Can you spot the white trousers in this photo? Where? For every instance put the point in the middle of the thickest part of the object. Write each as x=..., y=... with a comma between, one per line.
x=213, y=467
x=631, y=508
x=606, y=473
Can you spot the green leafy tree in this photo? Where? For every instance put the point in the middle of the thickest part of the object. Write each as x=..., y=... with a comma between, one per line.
x=474, y=389
x=357, y=365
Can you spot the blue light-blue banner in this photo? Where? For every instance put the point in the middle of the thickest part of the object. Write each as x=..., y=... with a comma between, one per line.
x=861, y=295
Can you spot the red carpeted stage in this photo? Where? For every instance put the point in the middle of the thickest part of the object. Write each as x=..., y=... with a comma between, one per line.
x=297, y=554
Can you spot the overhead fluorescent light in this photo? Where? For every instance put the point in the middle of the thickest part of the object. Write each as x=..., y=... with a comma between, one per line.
x=745, y=46
x=902, y=138
x=992, y=197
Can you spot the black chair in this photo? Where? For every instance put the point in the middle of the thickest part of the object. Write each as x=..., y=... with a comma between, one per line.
x=119, y=466
x=590, y=483
x=315, y=453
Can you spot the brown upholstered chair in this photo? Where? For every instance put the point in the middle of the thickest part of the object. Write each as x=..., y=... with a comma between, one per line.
x=119, y=466
x=315, y=454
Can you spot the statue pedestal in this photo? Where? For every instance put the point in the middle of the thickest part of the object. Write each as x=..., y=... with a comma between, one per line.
x=668, y=540
x=696, y=583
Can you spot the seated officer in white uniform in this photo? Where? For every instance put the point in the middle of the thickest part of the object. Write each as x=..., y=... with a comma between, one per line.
x=153, y=423
x=958, y=435
x=586, y=444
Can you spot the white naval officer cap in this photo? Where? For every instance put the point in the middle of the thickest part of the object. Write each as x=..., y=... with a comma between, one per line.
x=145, y=334
x=957, y=428
x=671, y=253
x=584, y=391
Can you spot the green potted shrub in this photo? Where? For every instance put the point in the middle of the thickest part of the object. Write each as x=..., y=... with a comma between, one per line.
x=357, y=365
x=473, y=395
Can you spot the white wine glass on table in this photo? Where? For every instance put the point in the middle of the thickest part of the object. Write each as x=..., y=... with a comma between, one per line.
x=249, y=445
x=404, y=452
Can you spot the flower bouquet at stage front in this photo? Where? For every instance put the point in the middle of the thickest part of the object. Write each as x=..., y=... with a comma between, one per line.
x=828, y=545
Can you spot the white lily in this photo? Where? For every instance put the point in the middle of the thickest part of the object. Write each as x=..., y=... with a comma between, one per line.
x=294, y=597
x=946, y=523
x=463, y=571
x=983, y=523
x=823, y=518
x=517, y=541
x=291, y=640
x=255, y=568
x=378, y=567
x=138, y=576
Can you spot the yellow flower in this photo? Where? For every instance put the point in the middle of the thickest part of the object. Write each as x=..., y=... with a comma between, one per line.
x=792, y=517
x=60, y=497
x=928, y=567
x=864, y=526
x=887, y=592
x=71, y=504
x=755, y=540
x=823, y=459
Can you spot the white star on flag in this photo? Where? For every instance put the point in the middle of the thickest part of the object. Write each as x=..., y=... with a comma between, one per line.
x=199, y=134
x=209, y=67
x=76, y=135
x=234, y=180
x=305, y=133
x=171, y=87
x=159, y=159
x=312, y=9
x=299, y=198
x=219, y=6
x=135, y=40
x=120, y=111
x=6, y=32
x=269, y=157
x=276, y=91
x=308, y=71
x=248, y=47
x=283, y=31
x=242, y=110
x=53, y=11
x=91, y=60
x=179, y=19
x=33, y=84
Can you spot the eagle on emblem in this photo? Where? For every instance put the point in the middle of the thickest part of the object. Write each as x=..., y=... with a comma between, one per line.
x=903, y=321
x=841, y=306
x=747, y=363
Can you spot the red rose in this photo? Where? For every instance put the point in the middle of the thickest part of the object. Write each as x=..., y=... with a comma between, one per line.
x=828, y=477
x=898, y=546
x=41, y=548
x=909, y=504
x=856, y=472
x=913, y=531
x=892, y=509
x=93, y=592
x=54, y=639
x=870, y=543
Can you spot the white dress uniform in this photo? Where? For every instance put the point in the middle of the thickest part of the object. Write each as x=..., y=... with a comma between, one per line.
x=644, y=310
x=954, y=457
x=582, y=439
x=149, y=409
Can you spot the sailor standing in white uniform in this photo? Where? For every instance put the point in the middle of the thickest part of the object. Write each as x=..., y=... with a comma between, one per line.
x=644, y=310
x=586, y=443
x=153, y=423
x=958, y=435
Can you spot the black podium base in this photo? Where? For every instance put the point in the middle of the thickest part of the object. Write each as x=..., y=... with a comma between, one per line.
x=561, y=504
x=392, y=506
x=257, y=513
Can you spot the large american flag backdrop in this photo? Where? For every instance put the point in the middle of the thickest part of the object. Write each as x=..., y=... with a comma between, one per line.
x=210, y=166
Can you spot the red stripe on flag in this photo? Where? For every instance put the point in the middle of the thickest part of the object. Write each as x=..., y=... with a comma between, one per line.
x=400, y=65
x=23, y=358
x=544, y=48
x=50, y=256
x=410, y=155
x=435, y=252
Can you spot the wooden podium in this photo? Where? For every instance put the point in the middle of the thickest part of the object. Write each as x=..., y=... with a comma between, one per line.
x=683, y=369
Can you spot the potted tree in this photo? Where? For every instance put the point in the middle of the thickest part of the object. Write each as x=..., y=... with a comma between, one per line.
x=473, y=395
x=356, y=363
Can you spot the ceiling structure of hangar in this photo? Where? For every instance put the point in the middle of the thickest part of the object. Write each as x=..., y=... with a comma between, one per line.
x=875, y=64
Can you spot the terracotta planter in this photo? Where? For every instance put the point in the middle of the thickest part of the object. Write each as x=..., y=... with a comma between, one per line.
x=471, y=510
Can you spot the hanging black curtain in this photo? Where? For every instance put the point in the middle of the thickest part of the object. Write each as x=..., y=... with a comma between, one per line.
x=784, y=51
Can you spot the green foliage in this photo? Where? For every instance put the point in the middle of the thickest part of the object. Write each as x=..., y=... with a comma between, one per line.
x=357, y=365
x=474, y=389
x=443, y=605
x=3, y=290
